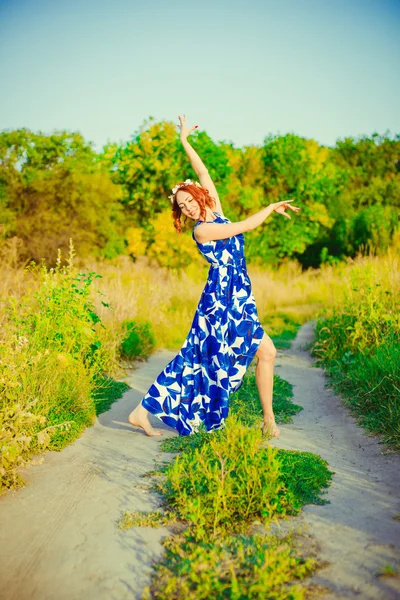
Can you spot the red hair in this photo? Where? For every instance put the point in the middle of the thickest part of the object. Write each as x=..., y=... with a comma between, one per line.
x=202, y=197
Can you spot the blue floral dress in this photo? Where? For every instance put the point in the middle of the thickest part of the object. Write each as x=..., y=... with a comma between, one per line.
x=194, y=387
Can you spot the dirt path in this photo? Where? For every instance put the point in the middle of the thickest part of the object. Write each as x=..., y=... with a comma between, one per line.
x=58, y=537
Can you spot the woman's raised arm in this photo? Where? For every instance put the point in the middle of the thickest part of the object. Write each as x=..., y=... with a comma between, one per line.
x=205, y=232
x=198, y=166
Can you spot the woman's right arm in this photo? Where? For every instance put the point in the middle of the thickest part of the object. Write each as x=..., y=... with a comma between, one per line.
x=218, y=231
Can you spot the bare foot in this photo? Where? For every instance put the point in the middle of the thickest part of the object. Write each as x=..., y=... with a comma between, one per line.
x=269, y=428
x=139, y=418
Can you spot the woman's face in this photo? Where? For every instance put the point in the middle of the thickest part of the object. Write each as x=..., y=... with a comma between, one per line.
x=188, y=205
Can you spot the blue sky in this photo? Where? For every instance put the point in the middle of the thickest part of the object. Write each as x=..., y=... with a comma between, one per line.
x=323, y=69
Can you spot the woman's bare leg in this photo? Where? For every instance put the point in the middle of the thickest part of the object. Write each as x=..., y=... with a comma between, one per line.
x=139, y=417
x=265, y=381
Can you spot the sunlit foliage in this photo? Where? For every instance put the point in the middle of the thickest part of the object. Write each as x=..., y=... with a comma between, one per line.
x=53, y=187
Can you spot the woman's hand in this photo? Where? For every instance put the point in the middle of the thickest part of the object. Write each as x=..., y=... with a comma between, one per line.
x=280, y=207
x=184, y=130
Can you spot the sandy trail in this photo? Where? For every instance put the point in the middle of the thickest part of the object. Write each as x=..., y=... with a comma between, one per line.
x=58, y=536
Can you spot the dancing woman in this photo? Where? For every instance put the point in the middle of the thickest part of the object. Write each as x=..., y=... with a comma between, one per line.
x=226, y=333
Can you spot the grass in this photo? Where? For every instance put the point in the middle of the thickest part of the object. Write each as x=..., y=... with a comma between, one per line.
x=246, y=403
x=357, y=341
x=287, y=294
x=54, y=359
x=107, y=391
x=282, y=328
x=60, y=347
x=370, y=387
x=236, y=567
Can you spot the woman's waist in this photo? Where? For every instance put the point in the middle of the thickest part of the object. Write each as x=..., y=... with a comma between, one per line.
x=233, y=262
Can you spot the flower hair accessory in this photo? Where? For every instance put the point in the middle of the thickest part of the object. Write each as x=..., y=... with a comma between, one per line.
x=179, y=185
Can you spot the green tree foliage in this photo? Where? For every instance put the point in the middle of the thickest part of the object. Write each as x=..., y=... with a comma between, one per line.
x=373, y=166
x=245, y=191
x=146, y=168
x=296, y=168
x=56, y=187
x=367, y=210
x=53, y=188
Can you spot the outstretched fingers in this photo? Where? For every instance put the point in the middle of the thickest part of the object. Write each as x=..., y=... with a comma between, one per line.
x=286, y=204
x=183, y=127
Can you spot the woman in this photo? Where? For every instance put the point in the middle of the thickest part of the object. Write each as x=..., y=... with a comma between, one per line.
x=226, y=333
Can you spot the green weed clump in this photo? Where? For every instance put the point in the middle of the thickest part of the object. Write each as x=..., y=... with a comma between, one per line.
x=232, y=479
x=227, y=483
x=358, y=344
x=107, y=391
x=150, y=519
x=245, y=405
x=238, y=567
x=139, y=339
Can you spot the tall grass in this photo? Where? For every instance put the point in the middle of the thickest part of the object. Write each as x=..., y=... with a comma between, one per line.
x=358, y=341
x=168, y=299
x=53, y=358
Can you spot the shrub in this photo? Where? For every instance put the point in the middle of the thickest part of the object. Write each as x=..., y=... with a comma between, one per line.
x=237, y=567
x=50, y=356
x=140, y=339
x=228, y=482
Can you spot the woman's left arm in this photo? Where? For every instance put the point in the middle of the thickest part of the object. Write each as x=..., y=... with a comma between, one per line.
x=198, y=166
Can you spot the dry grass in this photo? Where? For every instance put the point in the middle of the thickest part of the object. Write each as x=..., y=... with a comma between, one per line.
x=168, y=299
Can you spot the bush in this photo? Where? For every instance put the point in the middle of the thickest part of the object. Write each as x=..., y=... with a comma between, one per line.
x=140, y=339
x=237, y=567
x=228, y=482
x=50, y=357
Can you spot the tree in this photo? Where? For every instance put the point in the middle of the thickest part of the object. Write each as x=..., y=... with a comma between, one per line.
x=146, y=168
x=52, y=188
x=299, y=169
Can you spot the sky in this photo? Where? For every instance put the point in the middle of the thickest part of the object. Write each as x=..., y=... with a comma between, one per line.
x=239, y=69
